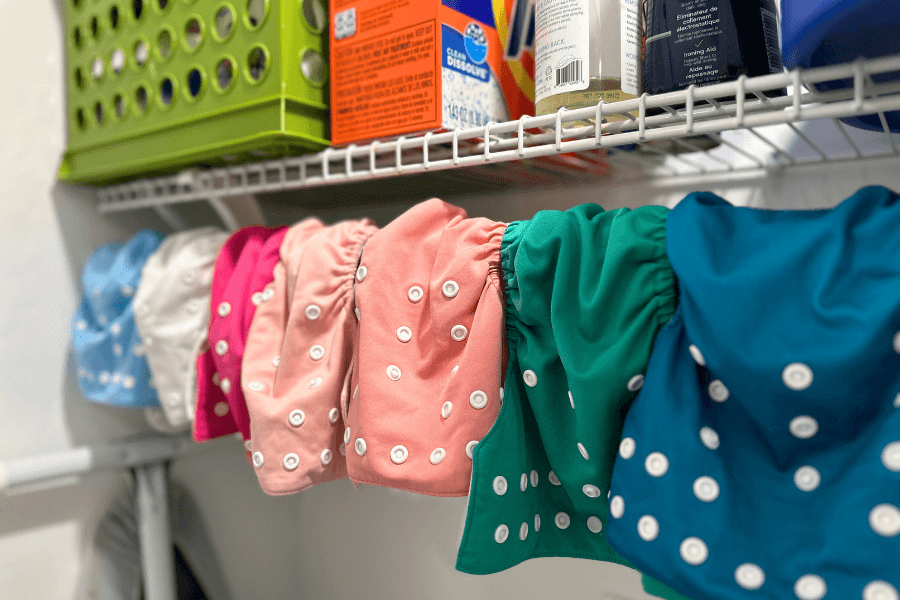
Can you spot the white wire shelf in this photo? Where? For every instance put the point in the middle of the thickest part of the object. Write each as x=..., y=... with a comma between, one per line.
x=662, y=139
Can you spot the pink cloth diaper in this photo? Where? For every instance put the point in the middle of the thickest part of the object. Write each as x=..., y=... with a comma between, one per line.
x=298, y=358
x=430, y=352
x=242, y=272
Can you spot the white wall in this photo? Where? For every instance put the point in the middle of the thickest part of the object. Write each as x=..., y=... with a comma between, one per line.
x=333, y=541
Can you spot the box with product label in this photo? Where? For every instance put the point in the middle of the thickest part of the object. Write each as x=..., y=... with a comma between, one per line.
x=407, y=66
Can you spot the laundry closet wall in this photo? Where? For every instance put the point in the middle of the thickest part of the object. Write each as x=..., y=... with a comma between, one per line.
x=332, y=541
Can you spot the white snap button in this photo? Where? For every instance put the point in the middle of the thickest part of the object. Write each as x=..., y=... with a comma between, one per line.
x=128, y=382
x=571, y=400
x=404, y=334
x=470, y=447
x=617, y=507
x=537, y=523
x=523, y=531
x=276, y=361
x=523, y=482
x=534, y=478
x=890, y=457
x=296, y=417
x=360, y=446
x=897, y=401
x=656, y=464
x=897, y=342
x=501, y=394
x=807, y=478
x=225, y=384
x=347, y=436
x=450, y=288
x=749, y=576
x=258, y=459
x=224, y=309
x=594, y=524
x=399, y=455
x=255, y=386
x=248, y=445
x=102, y=318
x=361, y=273
x=591, y=491
x=393, y=371
x=446, y=409
x=501, y=533
x=880, y=590
x=698, y=356
x=115, y=329
x=437, y=455
x=117, y=349
x=356, y=312
x=312, y=312
x=316, y=352
x=221, y=409
x=583, y=451
x=333, y=415
x=500, y=485
x=648, y=528
x=797, y=376
x=706, y=489
x=553, y=478
x=803, y=427
x=530, y=378
x=635, y=383
x=626, y=448
x=221, y=347
x=709, y=437
x=342, y=450
x=267, y=294
x=326, y=456
x=315, y=382
x=693, y=551
x=103, y=377
x=885, y=520
x=478, y=399
x=415, y=293
x=189, y=277
x=718, y=391
x=291, y=461
x=81, y=325
x=127, y=290
x=193, y=306
x=216, y=379
x=810, y=587
x=562, y=520
x=256, y=298
x=459, y=332
x=117, y=378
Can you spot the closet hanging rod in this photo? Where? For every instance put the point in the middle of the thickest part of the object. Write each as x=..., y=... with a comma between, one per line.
x=24, y=472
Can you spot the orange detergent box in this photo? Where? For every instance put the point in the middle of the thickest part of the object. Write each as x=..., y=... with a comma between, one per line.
x=407, y=66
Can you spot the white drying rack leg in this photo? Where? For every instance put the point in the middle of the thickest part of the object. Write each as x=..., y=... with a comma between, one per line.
x=154, y=530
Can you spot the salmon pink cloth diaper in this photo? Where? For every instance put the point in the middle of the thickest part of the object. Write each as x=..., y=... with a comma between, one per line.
x=430, y=350
x=298, y=357
x=172, y=316
x=240, y=284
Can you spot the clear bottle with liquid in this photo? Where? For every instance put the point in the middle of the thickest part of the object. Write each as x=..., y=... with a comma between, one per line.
x=586, y=51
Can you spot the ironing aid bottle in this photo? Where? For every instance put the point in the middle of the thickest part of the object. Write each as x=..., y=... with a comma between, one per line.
x=703, y=42
x=586, y=51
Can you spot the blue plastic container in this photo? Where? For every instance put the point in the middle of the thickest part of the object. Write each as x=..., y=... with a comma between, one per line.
x=827, y=32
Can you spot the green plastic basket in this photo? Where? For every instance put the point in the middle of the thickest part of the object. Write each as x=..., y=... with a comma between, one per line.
x=156, y=86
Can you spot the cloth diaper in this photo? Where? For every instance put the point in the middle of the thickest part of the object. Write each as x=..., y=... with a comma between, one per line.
x=430, y=350
x=298, y=356
x=241, y=276
x=172, y=315
x=762, y=456
x=586, y=293
x=109, y=355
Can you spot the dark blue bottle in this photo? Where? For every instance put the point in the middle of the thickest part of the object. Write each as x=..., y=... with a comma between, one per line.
x=704, y=42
